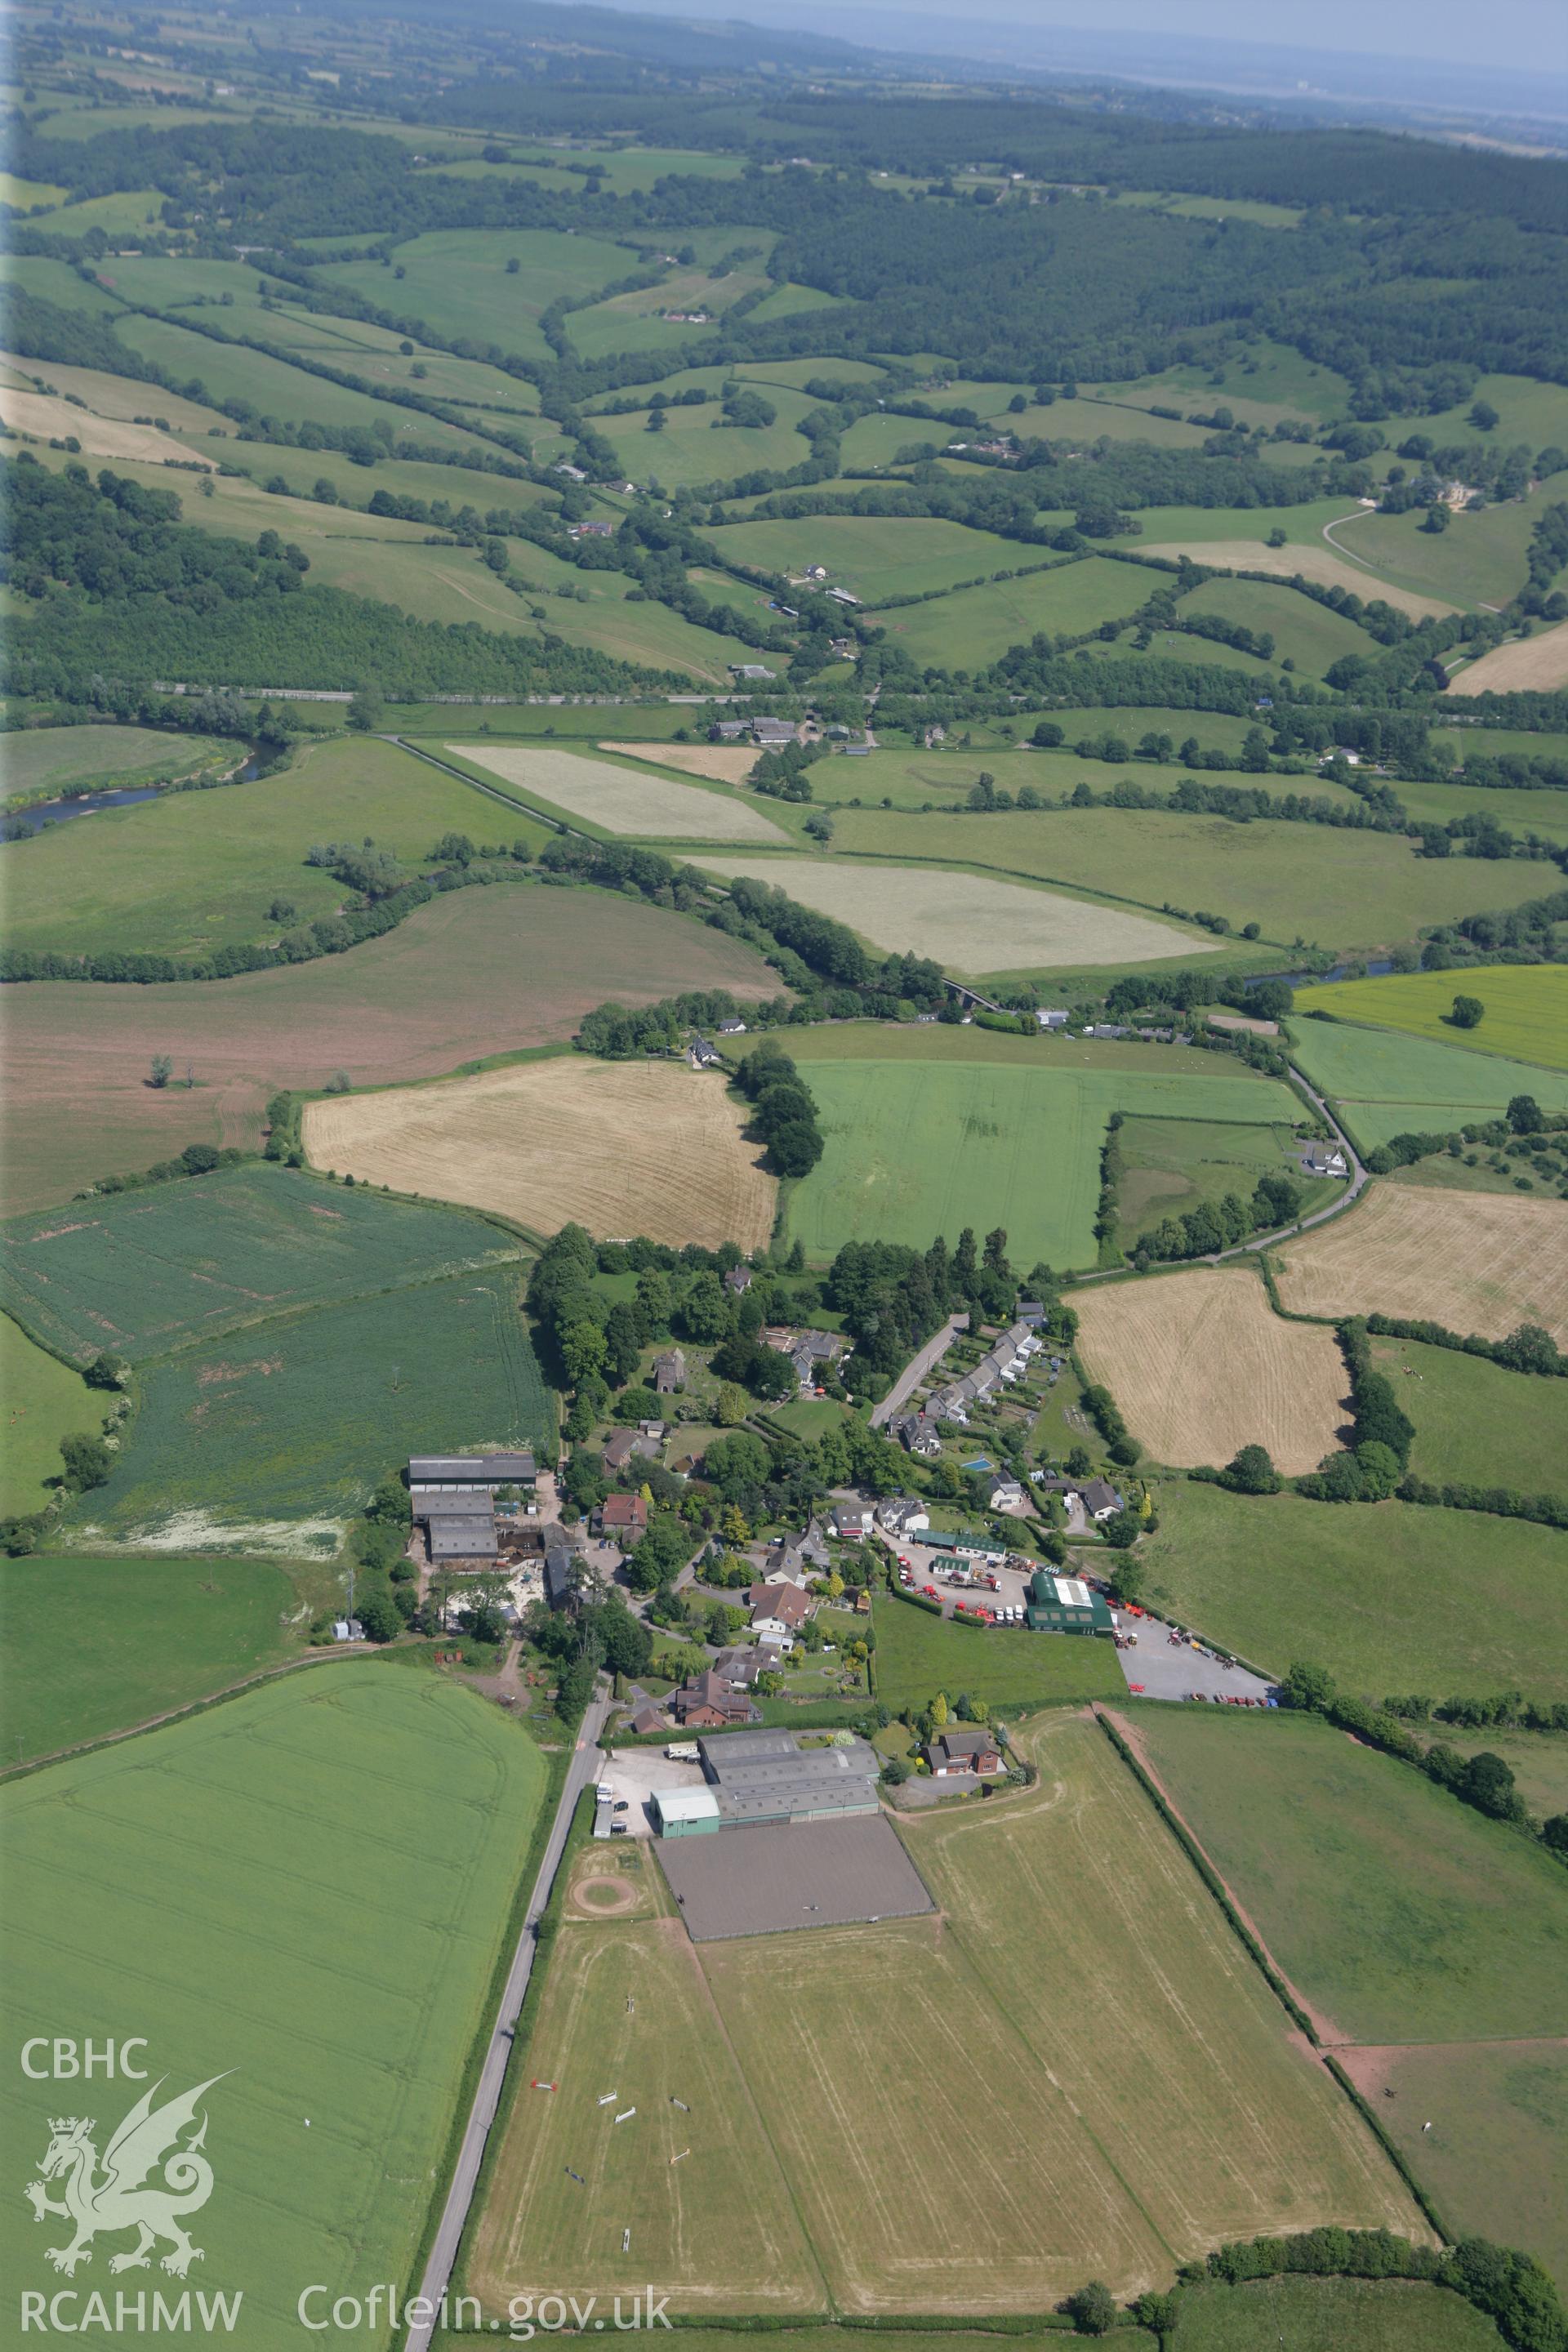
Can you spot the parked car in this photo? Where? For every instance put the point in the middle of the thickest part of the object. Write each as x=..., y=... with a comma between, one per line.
x=617, y=1829
x=621, y=1805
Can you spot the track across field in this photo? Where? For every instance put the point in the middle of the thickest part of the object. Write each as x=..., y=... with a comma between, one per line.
x=1473, y=1261
x=619, y=1147
x=1201, y=1366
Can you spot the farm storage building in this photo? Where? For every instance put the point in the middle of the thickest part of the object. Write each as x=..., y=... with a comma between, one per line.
x=684, y=1812
x=763, y=1776
x=1065, y=1604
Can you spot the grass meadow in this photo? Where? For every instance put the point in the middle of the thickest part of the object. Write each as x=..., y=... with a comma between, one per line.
x=1339, y=889
x=1481, y=558
x=43, y=1402
x=1357, y=1065
x=872, y=556
x=1172, y=1164
x=1478, y=1422
x=457, y=282
x=1526, y=1016
x=270, y=1439
x=967, y=628
x=94, y=1645
x=1396, y=1597
x=916, y=1147
x=919, y=1654
x=140, y=1273
x=303, y=1893
x=1304, y=632
x=193, y=872
x=67, y=758
x=1313, y=2314
x=1496, y=2159
x=1397, y=1913
x=626, y=2009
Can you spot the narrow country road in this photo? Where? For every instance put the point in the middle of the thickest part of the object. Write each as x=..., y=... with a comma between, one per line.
x=583, y=1768
x=915, y=1370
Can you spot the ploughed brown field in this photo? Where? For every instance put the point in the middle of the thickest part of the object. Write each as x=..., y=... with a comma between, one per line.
x=475, y=974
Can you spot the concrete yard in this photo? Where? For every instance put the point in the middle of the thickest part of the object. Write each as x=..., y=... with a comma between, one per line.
x=764, y=1880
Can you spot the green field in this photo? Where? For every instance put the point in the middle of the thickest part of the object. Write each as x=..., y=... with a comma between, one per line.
x=140, y=1273
x=695, y=447
x=917, y=1148
x=1303, y=631
x=1397, y=1913
x=1173, y=1163
x=1313, y=2314
x=228, y=371
x=1526, y=1012
x=1385, y=1083
x=1496, y=2159
x=66, y=758
x=1522, y=811
x=1478, y=1422
x=272, y=1438
x=1397, y=1598
x=456, y=281
x=1481, y=559
x=1351, y=891
x=194, y=872
x=872, y=556
x=919, y=1654
x=95, y=1645
x=303, y=1893
x=43, y=1402
x=970, y=627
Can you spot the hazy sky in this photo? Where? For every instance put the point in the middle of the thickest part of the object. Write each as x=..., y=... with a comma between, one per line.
x=1523, y=34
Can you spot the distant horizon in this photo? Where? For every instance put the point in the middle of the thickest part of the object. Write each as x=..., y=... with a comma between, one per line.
x=1400, y=53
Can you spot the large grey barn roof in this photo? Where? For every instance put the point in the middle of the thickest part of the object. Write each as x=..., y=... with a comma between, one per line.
x=760, y=1775
x=471, y=1469
x=470, y=1538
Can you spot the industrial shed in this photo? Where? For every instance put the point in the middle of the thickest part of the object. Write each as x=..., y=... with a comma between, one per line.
x=1065, y=1604
x=763, y=1776
x=684, y=1812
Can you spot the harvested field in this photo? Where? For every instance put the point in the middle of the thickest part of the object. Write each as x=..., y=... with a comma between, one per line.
x=622, y=1148
x=44, y=418
x=620, y=800
x=1496, y=2159
x=626, y=2011
x=1201, y=1366
x=1472, y=1261
x=476, y=972
x=986, y=926
x=1315, y=563
x=726, y=763
x=1538, y=664
x=764, y=1881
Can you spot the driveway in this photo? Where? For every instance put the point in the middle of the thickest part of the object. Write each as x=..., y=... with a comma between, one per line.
x=915, y=1370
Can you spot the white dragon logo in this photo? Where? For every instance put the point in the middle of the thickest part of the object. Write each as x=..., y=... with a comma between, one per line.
x=144, y=2142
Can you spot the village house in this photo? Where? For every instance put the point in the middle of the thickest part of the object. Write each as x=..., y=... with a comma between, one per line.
x=621, y=1519
x=791, y=1560
x=849, y=1522
x=903, y=1514
x=702, y=1055
x=917, y=1433
x=961, y=1749
x=778, y=1612
x=1002, y=1493
x=1099, y=1501
x=624, y=1445
x=739, y=1280
x=740, y=1668
x=708, y=1703
x=733, y=1028
x=1323, y=1159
